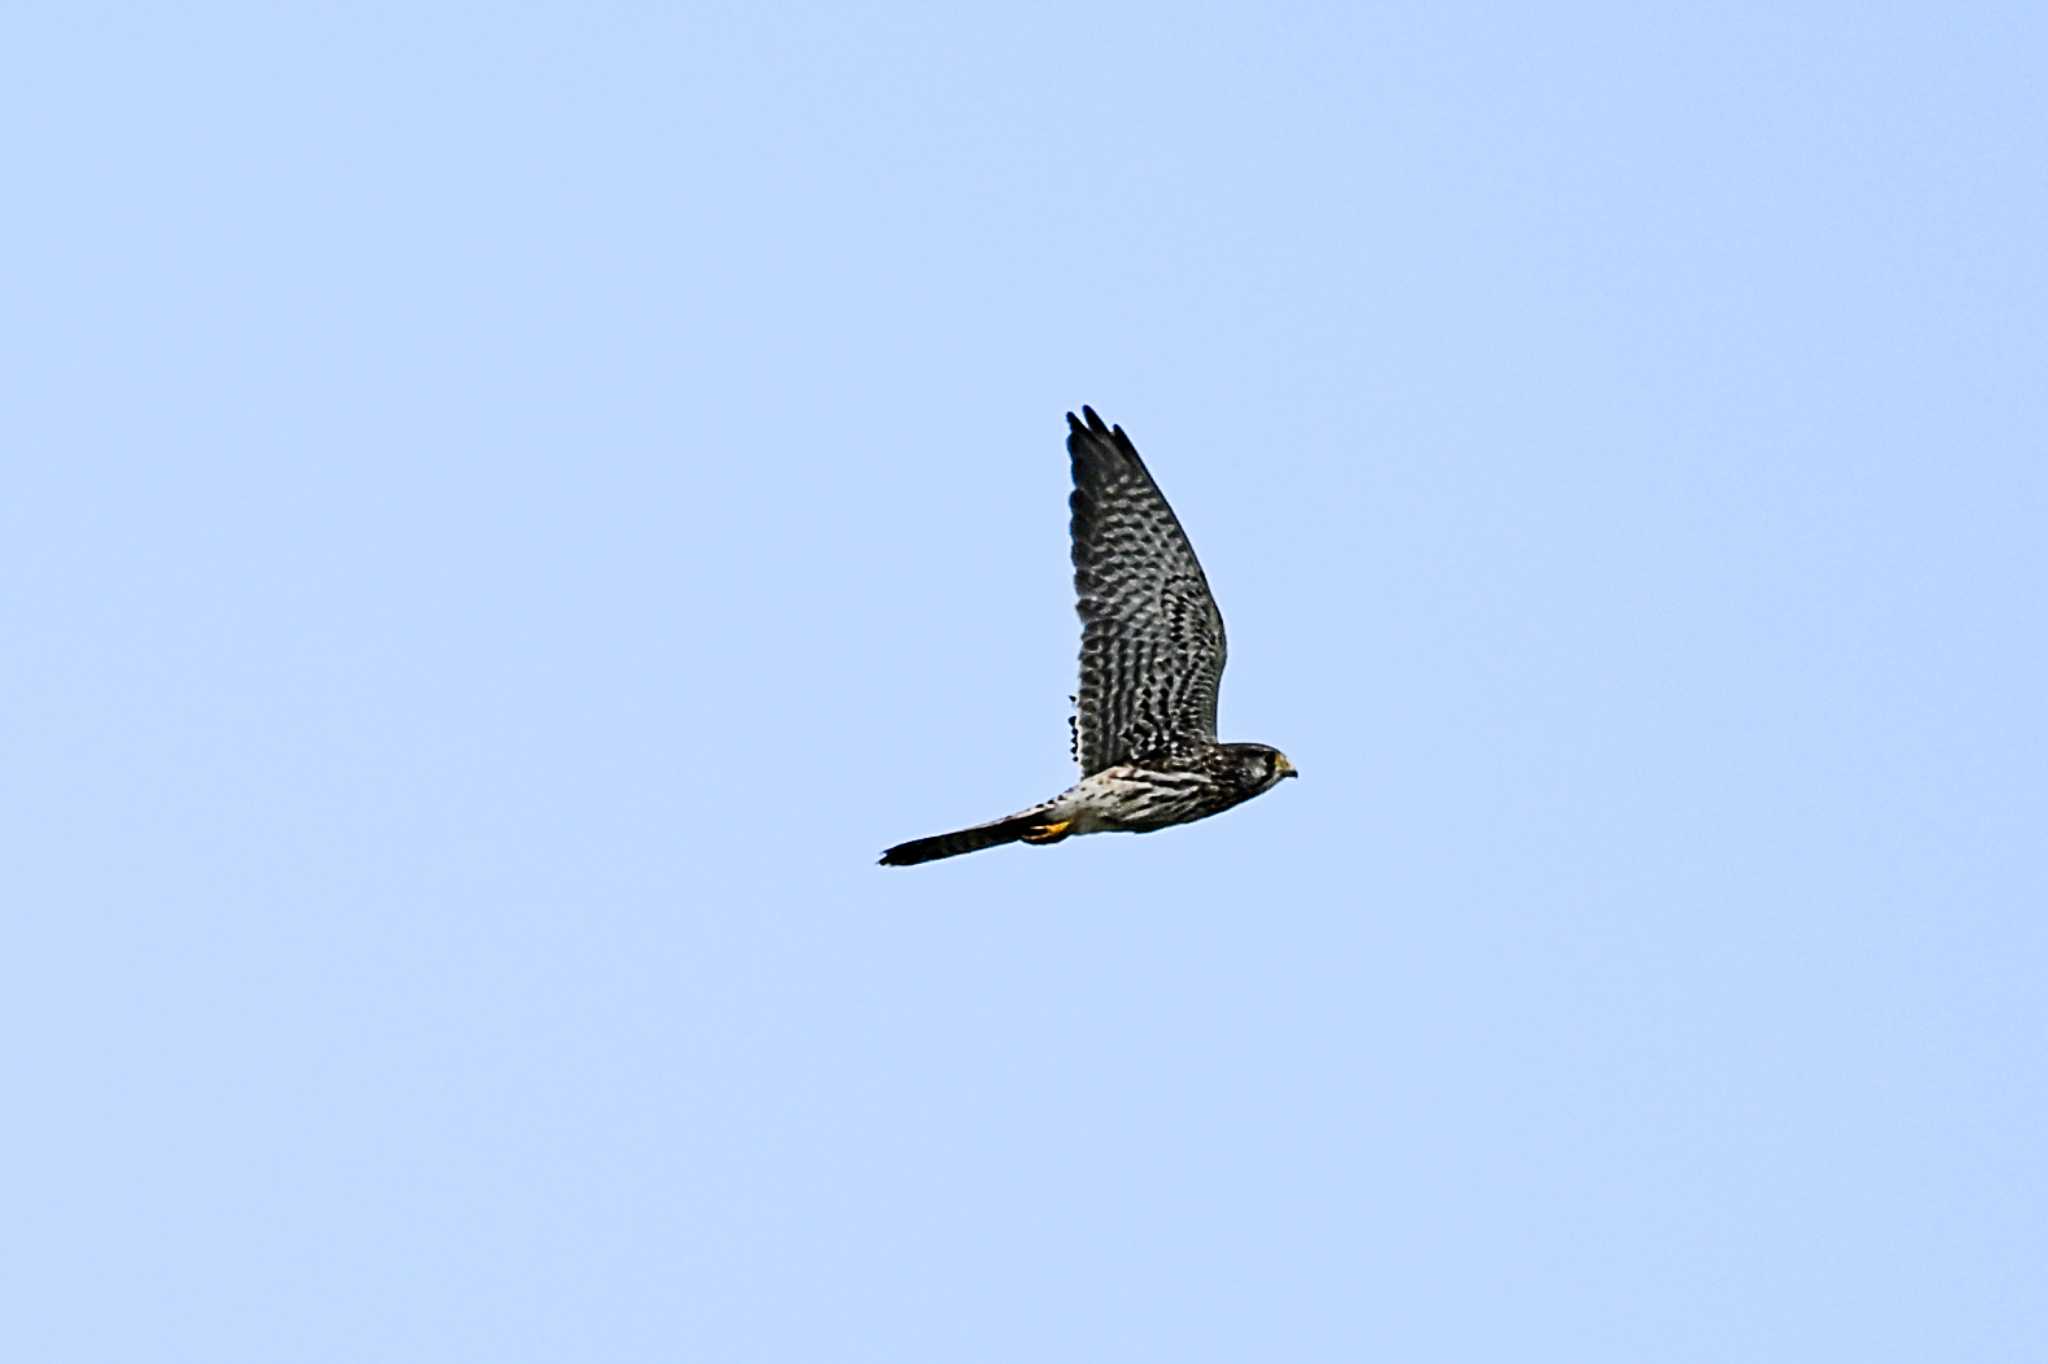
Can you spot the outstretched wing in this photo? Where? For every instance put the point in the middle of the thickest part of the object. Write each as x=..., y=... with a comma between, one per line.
x=1152, y=644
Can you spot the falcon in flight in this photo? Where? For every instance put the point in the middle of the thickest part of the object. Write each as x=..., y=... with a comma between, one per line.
x=1151, y=658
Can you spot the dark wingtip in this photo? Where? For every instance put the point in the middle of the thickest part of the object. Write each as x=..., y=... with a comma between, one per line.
x=1090, y=426
x=1089, y=430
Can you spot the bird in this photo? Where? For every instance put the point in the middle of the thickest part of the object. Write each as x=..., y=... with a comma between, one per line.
x=1152, y=653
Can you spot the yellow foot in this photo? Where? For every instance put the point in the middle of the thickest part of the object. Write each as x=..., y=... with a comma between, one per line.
x=1049, y=833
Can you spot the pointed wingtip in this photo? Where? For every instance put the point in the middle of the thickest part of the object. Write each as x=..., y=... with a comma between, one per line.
x=1090, y=425
x=1089, y=432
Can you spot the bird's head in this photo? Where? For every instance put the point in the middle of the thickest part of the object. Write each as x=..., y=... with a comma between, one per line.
x=1262, y=768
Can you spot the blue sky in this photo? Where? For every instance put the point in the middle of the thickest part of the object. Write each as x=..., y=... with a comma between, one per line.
x=510, y=509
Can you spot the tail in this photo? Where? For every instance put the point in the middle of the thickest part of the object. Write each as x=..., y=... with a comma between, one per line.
x=1029, y=827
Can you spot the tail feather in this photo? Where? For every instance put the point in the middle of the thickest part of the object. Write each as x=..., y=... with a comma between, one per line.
x=993, y=834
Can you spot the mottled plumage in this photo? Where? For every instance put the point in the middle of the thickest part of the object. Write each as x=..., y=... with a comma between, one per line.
x=1152, y=654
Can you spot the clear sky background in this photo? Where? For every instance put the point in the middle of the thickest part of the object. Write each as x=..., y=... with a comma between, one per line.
x=508, y=509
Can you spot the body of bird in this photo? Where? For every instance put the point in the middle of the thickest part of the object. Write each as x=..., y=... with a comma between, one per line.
x=1152, y=655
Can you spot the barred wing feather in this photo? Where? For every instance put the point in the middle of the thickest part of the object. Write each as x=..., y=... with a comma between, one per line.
x=1152, y=643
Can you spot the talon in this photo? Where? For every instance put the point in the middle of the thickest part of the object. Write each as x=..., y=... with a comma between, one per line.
x=1049, y=833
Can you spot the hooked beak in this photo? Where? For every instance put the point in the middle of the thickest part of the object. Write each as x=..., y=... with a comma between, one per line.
x=1284, y=767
